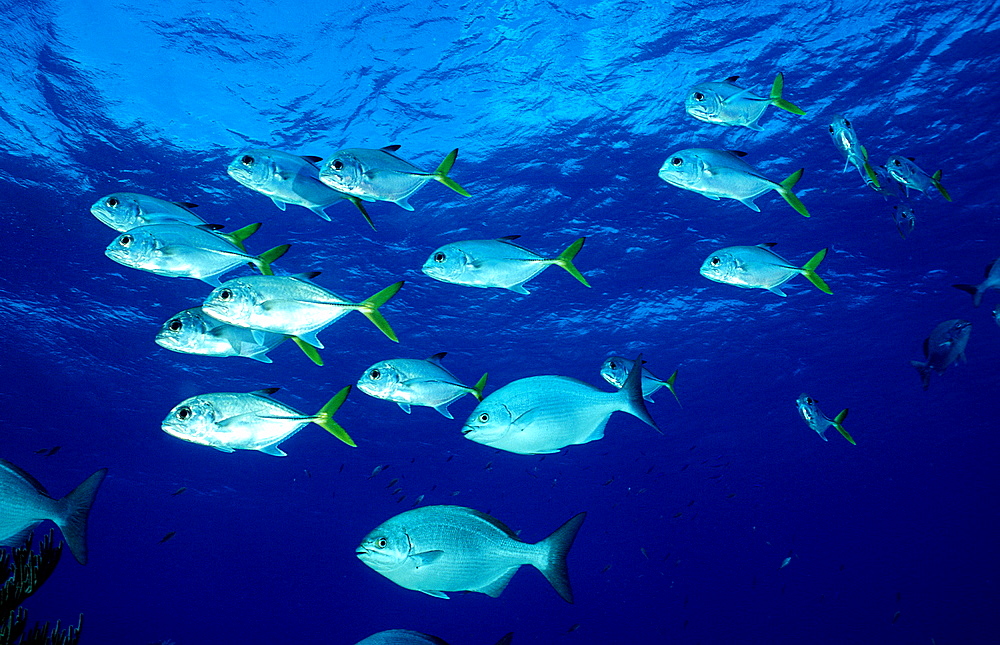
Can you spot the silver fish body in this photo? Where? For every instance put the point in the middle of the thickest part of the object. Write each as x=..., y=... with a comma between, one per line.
x=722, y=173
x=945, y=345
x=725, y=103
x=809, y=411
x=401, y=637
x=904, y=218
x=496, y=263
x=125, y=211
x=192, y=331
x=544, y=414
x=845, y=139
x=758, y=267
x=615, y=371
x=441, y=549
x=24, y=504
x=991, y=281
x=909, y=175
x=410, y=381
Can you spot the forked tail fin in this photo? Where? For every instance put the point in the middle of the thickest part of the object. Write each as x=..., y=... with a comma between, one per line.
x=973, y=290
x=441, y=173
x=477, y=389
x=75, y=508
x=785, y=190
x=239, y=235
x=936, y=180
x=809, y=271
x=308, y=350
x=777, y=101
x=631, y=391
x=265, y=259
x=565, y=260
x=924, y=370
x=369, y=308
x=556, y=548
x=324, y=418
x=837, y=423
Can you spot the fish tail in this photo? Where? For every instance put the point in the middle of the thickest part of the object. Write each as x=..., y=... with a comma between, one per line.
x=75, y=508
x=565, y=260
x=239, y=235
x=361, y=207
x=669, y=384
x=265, y=259
x=370, y=309
x=555, y=548
x=308, y=350
x=836, y=423
x=868, y=168
x=324, y=418
x=924, y=370
x=441, y=174
x=785, y=188
x=634, y=404
x=936, y=180
x=477, y=389
x=809, y=271
x=777, y=101
x=977, y=295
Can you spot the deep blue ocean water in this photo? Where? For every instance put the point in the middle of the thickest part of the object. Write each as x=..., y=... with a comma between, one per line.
x=562, y=113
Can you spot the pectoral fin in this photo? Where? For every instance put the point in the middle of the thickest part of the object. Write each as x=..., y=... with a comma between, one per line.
x=405, y=407
x=426, y=558
x=436, y=594
x=274, y=451
x=280, y=204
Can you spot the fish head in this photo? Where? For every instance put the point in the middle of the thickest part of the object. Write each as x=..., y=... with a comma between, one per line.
x=959, y=331
x=808, y=409
x=721, y=266
x=386, y=548
x=684, y=169
x=489, y=422
x=447, y=263
x=343, y=171
x=193, y=420
x=615, y=370
x=120, y=211
x=380, y=380
x=135, y=248
x=904, y=218
x=704, y=102
x=234, y=302
x=183, y=331
x=842, y=132
x=254, y=169
x=903, y=170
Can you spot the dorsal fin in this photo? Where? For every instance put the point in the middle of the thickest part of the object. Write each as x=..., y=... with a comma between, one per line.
x=312, y=158
x=24, y=474
x=308, y=275
x=436, y=358
x=989, y=267
x=393, y=148
x=766, y=245
x=732, y=79
x=186, y=204
x=738, y=153
x=911, y=158
x=266, y=391
x=508, y=238
x=210, y=227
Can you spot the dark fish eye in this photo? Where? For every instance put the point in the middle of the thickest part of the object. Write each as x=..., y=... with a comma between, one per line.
x=831, y=129
x=184, y=413
x=125, y=240
x=847, y=123
x=439, y=257
x=225, y=294
x=716, y=261
x=375, y=375
x=677, y=161
x=483, y=418
x=698, y=96
x=112, y=202
x=613, y=365
x=381, y=543
x=810, y=400
x=175, y=325
x=247, y=160
x=897, y=162
x=337, y=164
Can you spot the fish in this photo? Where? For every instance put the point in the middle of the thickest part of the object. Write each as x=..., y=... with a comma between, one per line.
x=785, y=562
x=24, y=504
x=909, y=174
x=904, y=218
x=380, y=176
x=168, y=536
x=376, y=470
x=992, y=281
x=544, y=414
x=845, y=139
x=289, y=179
x=229, y=421
x=291, y=305
x=722, y=173
x=725, y=103
x=945, y=345
x=440, y=549
x=178, y=491
x=184, y=251
x=192, y=331
x=411, y=381
x=53, y=450
x=758, y=267
x=125, y=211
x=407, y=637
x=496, y=263
x=615, y=370
x=996, y=314
x=815, y=419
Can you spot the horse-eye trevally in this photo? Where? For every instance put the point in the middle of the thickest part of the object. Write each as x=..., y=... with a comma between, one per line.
x=945, y=345
x=125, y=211
x=846, y=140
x=615, y=371
x=909, y=174
x=809, y=410
x=725, y=103
x=758, y=267
x=904, y=218
x=992, y=281
x=412, y=381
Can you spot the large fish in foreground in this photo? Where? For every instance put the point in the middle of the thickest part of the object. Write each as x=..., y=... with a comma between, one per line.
x=414, y=381
x=846, y=140
x=24, y=504
x=809, y=410
x=616, y=369
x=229, y=421
x=544, y=414
x=125, y=211
x=407, y=637
x=758, y=267
x=945, y=345
x=496, y=263
x=721, y=173
x=992, y=281
x=441, y=549
x=909, y=174
x=726, y=103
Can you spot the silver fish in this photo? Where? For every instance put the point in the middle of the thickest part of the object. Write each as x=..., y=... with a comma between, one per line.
x=125, y=211
x=721, y=173
x=288, y=179
x=24, y=504
x=815, y=419
x=381, y=176
x=725, y=103
x=904, y=218
x=846, y=140
x=496, y=263
x=909, y=174
x=758, y=267
x=411, y=381
x=616, y=369
x=544, y=414
x=291, y=305
x=437, y=549
x=229, y=421
x=945, y=345
x=183, y=251
x=192, y=331
x=407, y=637
x=992, y=281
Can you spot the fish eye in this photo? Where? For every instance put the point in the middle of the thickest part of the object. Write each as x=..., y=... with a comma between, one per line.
x=810, y=400
x=175, y=325
x=698, y=96
x=381, y=542
x=112, y=202
x=337, y=164
x=225, y=294
x=831, y=129
x=374, y=375
x=184, y=413
x=677, y=161
x=846, y=122
x=439, y=257
x=716, y=261
x=613, y=365
x=125, y=240
x=246, y=160
x=483, y=418
x=897, y=162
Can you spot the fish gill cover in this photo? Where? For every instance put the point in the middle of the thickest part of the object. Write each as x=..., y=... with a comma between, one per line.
x=737, y=524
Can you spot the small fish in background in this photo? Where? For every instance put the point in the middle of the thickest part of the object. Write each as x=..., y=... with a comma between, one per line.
x=725, y=103
x=417, y=501
x=411, y=381
x=909, y=174
x=229, y=421
x=809, y=411
x=722, y=173
x=846, y=141
x=616, y=369
x=178, y=491
x=182, y=251
x=945, y=345
x=291, y=305
x=544, y=414
x=125, y=211
x=407, y=637
x=496, y=263
x=758, y=267
x=380, y=176
x=288, y=179
x=992, y=281
x=785, y=563
x=53, y=451
x=904, y=218
x=376, y=470
x=440, y=549
x=24, y=504
x=996, y=313
x=168, y=536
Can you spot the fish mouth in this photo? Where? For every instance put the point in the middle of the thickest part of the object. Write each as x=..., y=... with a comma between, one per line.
x=360, y=551
x=466, y=430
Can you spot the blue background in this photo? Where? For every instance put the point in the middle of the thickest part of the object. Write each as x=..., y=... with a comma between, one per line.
x=563, y=113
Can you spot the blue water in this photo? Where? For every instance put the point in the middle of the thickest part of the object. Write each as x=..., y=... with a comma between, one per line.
x=563, y=114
